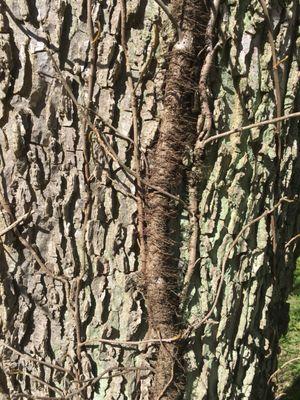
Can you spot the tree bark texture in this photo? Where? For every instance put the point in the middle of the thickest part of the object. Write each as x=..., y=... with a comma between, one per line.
x=235, y=352
x=71, y=271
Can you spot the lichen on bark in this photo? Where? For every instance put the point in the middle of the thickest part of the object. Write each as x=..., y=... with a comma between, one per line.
x=41, y=169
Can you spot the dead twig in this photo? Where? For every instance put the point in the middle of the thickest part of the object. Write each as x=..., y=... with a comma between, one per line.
x=247, y=127
x=277, y=91
x=6, y=207
x=116, y=342
x=292, y=240
x=104, y=143
x=164, y=7
x=44, y=363
x=283, y=366
x=16, y=223
x=89, y=382
x=154, y=44
x=35, y=378
x=197, y=324
x=86, y=174
x=194, y=223
x=136, y=140
x=93, y=381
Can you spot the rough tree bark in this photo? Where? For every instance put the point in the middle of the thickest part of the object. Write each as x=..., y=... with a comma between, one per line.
x=76, y=292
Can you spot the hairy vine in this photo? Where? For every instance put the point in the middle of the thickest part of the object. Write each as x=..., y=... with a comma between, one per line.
x=177, y=133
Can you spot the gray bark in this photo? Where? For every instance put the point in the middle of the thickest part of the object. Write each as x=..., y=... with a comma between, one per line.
x=235, y=354
x=42, y=169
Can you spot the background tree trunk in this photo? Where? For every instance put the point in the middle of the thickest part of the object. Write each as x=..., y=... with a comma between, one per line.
x=88, y=284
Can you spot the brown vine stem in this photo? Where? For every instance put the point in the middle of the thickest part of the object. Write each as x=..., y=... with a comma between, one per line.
x=169, y=14
x=104, y=143
x=197, y=324
x=194, y=223
x=204, y=125
x=35, y=378
x=117, y=342
x=93, y=381
x=175, y=136
x=6, y=207
x=86, y=173
x=16, y=223
x=278, y=103
x=251, y=126
x=293, y=239
x=283, y=366
x=136, y=151
x=278, y=99
x=44, y=363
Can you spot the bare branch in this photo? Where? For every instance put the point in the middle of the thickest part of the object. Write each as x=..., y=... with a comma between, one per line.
x=6, y=207
x=35, y=378
x=93, y=381
x=15, y=223
x=197, y=324
x=116, y=342
x=46, y=364
x=136, y=145
x=283, y=366
x=251, y=126
x=171, y=17
x=194, y=223
x=292, y=240
x=89, y=382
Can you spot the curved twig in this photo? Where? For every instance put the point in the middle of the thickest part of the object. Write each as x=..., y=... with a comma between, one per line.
x=196, y=325
x=164, y=7
x=251, y=126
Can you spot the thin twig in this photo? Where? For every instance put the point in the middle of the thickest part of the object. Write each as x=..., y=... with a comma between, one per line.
x=16, y=223
x=78, y=323
x=292, y=240
x=89, y=382
x=171, y=18
x=46, y=364
x=251, y=126
x=104, y=143
x=93, y=381
x=6, y=207
x=283, y=365
x=194, y=223
x=154, y=44
x=29, y=396
x=86, y=174
x=136, y=140
x=35, y=378
x=197, y=324
x=277, y=91
x=117, y=342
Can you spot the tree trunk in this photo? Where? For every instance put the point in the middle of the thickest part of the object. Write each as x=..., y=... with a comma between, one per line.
x=84, y=117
